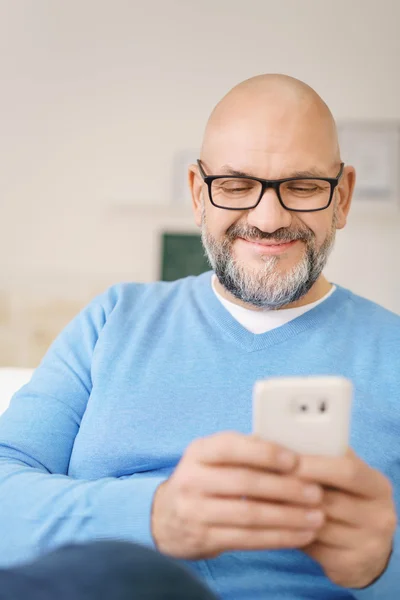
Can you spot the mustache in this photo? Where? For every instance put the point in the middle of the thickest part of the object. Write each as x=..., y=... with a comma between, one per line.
x=280, y=235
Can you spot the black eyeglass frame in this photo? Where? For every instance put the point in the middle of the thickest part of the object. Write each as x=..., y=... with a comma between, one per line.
x=270, y=183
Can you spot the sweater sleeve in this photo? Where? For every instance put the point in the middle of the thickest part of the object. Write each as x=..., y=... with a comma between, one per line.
x=387, y=586
x=41, y=506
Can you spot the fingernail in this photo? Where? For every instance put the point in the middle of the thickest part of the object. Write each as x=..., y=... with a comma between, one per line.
x=312, y=493
x=286, y=459
x=315, y=517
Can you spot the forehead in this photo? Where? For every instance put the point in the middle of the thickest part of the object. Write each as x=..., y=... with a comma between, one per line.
x=274, y=145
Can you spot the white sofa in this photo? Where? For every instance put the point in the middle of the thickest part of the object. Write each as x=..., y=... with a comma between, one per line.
x=11, y=380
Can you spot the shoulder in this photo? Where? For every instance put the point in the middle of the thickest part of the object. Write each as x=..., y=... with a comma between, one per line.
x=128, y=297
x=117, y=310
x=373, y=317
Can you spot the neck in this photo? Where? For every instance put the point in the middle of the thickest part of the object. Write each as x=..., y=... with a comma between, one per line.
x=320, y=288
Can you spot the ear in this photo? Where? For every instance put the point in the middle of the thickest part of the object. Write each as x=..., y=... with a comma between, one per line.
x=344, y=195
x=195, y=186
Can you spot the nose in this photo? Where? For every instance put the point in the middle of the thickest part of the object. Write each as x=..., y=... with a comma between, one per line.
x=269, y=215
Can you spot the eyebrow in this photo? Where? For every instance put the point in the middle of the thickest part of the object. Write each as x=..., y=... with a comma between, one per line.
x=313, y=172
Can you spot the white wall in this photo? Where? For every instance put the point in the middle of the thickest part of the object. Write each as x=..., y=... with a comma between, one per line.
x=98, y=96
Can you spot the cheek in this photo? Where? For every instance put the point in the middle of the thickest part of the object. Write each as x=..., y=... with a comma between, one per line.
x=319, y=223
x=218, y=221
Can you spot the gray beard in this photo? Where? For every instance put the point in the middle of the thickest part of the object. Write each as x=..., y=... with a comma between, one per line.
x=266, y=287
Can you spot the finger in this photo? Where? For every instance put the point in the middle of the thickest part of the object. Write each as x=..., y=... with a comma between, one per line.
x=348, y=473
x=230, y=482
x=339, y=535
x=230, y=539
x=327, y=555
x=346, y=508
x=232, y=448
x=261, y=515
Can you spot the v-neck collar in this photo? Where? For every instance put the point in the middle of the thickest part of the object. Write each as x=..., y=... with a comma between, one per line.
x=252, y=342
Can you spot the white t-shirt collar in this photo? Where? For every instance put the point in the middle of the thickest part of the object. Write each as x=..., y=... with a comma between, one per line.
x=261, y=321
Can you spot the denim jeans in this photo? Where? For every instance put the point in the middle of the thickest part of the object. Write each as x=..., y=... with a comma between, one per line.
x=104, y=570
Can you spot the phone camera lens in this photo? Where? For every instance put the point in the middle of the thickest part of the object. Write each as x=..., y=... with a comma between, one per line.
x=323, y=406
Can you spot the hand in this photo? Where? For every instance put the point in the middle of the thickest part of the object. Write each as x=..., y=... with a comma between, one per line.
x=354, y=545
x=234, y=492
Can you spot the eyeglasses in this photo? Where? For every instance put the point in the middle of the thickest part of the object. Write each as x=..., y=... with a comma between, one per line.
x=300, y=194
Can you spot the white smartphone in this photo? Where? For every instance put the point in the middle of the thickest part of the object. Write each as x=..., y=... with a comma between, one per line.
x=309, y=415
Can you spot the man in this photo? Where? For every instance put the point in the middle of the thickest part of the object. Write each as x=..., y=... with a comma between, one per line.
x=137, y=424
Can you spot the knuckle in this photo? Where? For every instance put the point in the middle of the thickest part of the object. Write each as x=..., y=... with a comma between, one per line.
x=373, y=548
x=226, y=437
x=196, y=448
x=219, y=445
x=387, y=521
x=270, y=452
x=224, y=442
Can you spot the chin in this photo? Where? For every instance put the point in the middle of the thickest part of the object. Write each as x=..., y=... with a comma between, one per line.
x=278, y=263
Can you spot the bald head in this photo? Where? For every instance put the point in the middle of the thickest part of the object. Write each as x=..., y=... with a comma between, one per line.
x=271, y=116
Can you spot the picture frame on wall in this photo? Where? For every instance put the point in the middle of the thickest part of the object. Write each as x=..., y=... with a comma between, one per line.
x=182, y=254
x=373, y=148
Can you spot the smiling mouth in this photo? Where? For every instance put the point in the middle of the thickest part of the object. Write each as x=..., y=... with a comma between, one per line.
x=269, y=246
x=269, y=242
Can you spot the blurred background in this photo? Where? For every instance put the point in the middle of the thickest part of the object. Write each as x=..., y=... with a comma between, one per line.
x=103, y=103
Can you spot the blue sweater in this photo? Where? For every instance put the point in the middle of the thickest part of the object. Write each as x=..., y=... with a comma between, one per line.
x=147, y=368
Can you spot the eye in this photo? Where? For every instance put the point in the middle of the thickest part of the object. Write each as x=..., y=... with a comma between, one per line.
x=235, y=186
x=303, y=188
x=233, y=190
